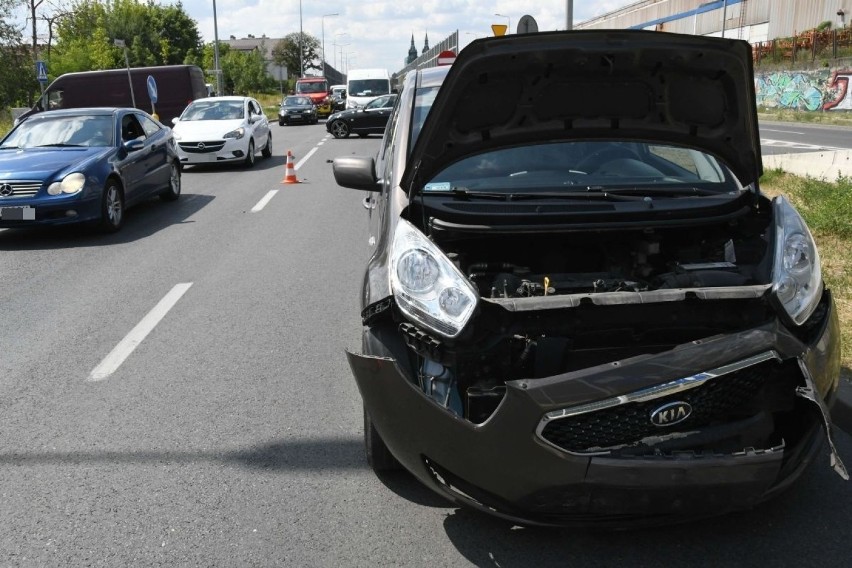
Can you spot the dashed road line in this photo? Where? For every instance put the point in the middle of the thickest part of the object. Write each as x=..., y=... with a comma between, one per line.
x=132, y=340
x=266, y=199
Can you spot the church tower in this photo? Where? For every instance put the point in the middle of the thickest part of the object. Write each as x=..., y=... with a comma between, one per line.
x=425, y=45
x=412, y=52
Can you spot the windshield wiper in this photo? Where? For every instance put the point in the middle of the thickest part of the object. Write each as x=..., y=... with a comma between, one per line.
x=657, y=190
x=59, y=145
x=466, y=194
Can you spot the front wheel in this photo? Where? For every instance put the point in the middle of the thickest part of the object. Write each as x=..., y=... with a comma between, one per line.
x=112, y=207
x=267, y=150
x=340, y=129
x=172, y=192
x=249, y=161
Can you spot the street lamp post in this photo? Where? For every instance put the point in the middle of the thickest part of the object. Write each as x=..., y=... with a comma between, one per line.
x=301, y=44
x=335, y=44
x=216, y=52
x=508, y=23
x=323, y=40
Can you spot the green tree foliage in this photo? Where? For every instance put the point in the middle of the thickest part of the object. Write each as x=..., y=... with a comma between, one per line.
x=17, y=74
x=286, y=53
x=243, y=72
x=154, y=35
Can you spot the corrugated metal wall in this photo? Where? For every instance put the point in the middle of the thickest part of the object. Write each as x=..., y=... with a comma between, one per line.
x=754, y=20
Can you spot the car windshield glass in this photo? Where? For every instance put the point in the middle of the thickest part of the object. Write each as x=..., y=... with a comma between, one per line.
x=214, y=110
x=368, y=87
x=296, y=101
x=630, y=168
x=312, y=87
x=58, y=131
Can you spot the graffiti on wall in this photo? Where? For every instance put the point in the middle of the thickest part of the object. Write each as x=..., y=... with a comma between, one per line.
x=804, y=90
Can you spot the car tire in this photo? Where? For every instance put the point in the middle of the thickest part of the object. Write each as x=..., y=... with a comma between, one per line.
x=281, y=122
x=378, y=455
x=249, y=161
x=267, y=150
x=112, y=207
x=339, y=129
x=172, y=193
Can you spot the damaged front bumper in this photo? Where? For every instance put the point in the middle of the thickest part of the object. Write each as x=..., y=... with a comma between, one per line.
x=554, y=451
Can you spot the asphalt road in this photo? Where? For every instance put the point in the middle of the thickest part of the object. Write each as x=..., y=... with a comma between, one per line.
x=231, y=435
x=795, y=137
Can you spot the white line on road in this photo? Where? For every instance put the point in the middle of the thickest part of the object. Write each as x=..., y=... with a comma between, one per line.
x=132, y=340
x=266, y=199
x=784, y=131
x=305, y=159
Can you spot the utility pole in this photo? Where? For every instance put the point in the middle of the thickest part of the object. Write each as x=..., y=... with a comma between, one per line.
x=216, y=53
x=569, y=14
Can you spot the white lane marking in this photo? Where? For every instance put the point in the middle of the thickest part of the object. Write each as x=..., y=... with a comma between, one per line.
x=305, y=159
x=132, y=340
x=796, y=145
x=266, y=199
x=784, y=131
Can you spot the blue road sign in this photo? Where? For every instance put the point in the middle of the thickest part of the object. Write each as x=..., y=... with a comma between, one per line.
x=152, y=89
x=41, y=71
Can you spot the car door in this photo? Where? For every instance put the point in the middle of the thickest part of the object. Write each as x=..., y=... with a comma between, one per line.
x=136, y=162
x=258, y=123
x=159, y=162
x=378, y=112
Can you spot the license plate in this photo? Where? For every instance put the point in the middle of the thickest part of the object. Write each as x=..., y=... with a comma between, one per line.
x=206, y=157
x=17, y=213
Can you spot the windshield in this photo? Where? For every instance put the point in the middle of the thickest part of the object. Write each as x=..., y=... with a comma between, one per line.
x=214, y=110
x=586, y=166
x=312, y=87
x=62, y=131
x=369, y=87
x=297, y=101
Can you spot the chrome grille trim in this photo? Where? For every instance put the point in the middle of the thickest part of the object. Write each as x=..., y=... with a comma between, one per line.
x=21, y=188
x=650, y=393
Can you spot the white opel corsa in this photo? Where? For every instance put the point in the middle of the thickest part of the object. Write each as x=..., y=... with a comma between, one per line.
x=222, y=129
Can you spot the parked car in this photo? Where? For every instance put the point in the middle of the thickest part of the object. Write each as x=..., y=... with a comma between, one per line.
x=580, y=308
x=84, y=164
x=296, y=108
x=362, y=121
x=222, y=129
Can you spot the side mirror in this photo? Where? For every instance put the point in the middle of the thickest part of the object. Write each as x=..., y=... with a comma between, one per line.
x=175, y=120
x=355, y=172
x=255, y=118
x=134, y=145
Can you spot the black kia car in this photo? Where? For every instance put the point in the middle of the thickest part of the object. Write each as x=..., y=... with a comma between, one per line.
x=580, y=308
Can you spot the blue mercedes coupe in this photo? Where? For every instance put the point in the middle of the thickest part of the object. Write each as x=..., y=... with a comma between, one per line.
x=85, y=165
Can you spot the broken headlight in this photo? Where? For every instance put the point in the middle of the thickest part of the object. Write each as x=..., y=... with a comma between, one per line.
x=796, y=275
x=426, y=285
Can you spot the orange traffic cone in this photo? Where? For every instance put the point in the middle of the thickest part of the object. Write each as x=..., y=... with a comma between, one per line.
x=290, y=176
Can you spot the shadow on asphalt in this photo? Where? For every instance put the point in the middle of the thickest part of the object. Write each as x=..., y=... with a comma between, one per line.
x=140, y=221
x=260, y=164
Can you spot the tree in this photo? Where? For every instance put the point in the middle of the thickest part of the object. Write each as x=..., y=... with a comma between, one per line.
x=17, y=74
x=153, y=34
x=286, y=53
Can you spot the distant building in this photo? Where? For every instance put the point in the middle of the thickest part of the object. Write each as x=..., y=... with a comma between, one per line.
x=264, y=45
x=412, y=51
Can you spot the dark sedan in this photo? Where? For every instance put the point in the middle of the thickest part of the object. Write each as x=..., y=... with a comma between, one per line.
x=297, y=109
x=89, y=164
x=369, y=119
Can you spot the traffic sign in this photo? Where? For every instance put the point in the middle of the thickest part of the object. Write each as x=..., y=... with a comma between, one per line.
x=446, y=57
x=152, y=89
x=527, y=25
x=41, y=71
x=499, y=29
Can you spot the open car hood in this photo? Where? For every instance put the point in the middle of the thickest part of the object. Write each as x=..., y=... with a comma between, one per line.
x=685, y=90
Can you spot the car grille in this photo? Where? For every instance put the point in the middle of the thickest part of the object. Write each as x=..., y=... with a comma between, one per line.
x=202, y=147
x=12, y=189
x=714, y=401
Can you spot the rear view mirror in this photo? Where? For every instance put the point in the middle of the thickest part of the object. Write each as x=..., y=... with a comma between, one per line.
x=134, y=145
x=355, y=172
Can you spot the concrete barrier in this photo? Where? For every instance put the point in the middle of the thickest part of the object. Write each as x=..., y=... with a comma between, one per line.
x=825, y=165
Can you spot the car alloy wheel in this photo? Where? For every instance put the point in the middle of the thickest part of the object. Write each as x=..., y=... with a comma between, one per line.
x=172, y=193
x=249, y=161
x=267, y=150
x=112, y=207
x=340, y=129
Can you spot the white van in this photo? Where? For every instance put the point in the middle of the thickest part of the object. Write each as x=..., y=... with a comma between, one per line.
x=364, y=85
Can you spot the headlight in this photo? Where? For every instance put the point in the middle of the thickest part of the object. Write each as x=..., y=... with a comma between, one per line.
x=176, y=135
x=426, y=285
x=238, y=133
x=72, y=183
x=796, y=275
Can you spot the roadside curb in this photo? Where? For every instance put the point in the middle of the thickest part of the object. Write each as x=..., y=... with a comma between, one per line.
x=841, y=413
